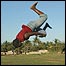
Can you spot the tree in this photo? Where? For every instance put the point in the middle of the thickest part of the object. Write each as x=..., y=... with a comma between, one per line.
x=36, y=42
x=17, y=51
x=38, y=45
x=4, y=47
x=27, y=46
x=56, y=42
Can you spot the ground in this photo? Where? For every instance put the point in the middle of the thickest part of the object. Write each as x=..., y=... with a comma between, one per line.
x=43, y=59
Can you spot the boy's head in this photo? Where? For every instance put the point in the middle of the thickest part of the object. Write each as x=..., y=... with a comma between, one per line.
x=16, y=43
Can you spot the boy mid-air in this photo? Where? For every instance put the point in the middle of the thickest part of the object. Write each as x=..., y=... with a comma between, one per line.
x=32, y=28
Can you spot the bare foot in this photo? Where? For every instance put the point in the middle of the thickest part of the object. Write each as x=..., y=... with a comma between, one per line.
x=34, y=5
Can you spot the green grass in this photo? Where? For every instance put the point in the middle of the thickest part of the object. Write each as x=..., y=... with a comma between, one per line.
x=43, y=59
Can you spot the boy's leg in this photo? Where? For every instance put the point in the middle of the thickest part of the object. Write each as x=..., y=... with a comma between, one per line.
x=43, y=17
x=33, y=7
x=38, y=29
x=39, y=22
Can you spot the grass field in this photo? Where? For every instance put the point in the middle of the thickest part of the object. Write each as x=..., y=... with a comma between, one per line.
x=43, y=59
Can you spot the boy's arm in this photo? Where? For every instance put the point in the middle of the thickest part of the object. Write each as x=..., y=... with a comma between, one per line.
x=27, y=35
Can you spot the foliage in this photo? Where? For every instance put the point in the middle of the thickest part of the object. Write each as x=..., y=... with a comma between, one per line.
x=35, y=45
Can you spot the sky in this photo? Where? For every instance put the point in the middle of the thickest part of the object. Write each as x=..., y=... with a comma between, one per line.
x=16, y=13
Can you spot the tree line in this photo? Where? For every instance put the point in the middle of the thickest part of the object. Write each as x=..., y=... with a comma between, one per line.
x=34, y=45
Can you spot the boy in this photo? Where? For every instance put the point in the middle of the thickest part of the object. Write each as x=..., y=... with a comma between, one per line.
x=32, y=28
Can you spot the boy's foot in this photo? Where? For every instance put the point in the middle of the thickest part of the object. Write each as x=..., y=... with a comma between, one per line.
x=34, y=5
